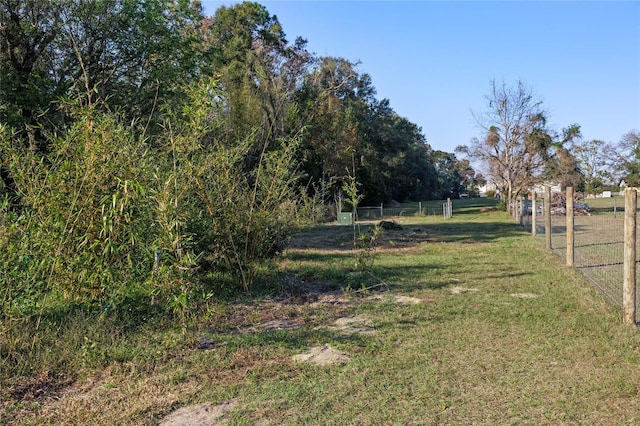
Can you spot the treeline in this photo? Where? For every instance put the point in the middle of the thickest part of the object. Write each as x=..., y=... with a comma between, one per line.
x=139, y=59
x=143, y=142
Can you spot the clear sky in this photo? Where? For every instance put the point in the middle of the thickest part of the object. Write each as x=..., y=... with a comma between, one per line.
x=434, y=60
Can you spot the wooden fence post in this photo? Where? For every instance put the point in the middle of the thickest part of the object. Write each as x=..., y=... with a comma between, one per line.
x=547, y=216
x=534, y=232
x=570, y=236
x=629, y=286
x=520, y=209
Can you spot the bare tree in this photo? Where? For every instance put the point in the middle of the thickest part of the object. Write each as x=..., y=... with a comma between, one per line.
x=516, y=142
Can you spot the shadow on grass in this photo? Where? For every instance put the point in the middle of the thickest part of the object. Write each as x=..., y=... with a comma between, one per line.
x=503, y=276
x=299, y=339
x=332, y=239
x=415, y=277
x=327, y=253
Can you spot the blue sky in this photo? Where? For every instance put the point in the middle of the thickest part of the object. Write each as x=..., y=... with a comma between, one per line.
x=434, y=60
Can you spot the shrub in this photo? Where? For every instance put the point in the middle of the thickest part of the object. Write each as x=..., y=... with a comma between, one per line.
x=84, y=210
x=105, y=215
x=247, y=205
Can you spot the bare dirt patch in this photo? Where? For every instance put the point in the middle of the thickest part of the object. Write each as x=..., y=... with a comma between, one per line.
x=460, y=290
x=352, y=325
x=524, y=295
x=201, y=414
x=322, y=355
x=335, y=299
x=401, y=299
x=276, y=324
x=407, y=300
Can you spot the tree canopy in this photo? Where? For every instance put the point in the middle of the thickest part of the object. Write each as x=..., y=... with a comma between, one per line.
x=623, y=159
x=143, y=143
x=137, y=57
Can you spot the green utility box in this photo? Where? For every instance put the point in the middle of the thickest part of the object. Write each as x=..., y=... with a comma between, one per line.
x=345, y=218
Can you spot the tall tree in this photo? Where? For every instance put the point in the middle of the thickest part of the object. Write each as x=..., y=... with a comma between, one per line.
x=347, y=128
x=259, y=70
x=328, y=104
x=562, y=165
x=27, y=30
x=399, y=161
x=590, y=156
x=623, y=159
x=130, y=56
x=455, y=176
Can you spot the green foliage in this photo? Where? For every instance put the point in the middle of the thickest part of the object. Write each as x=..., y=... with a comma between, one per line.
x=344, y=121
x=21, y=282
x=140, y=62
x=84, y=210
x=241, y=210
x=624, y=159
x=454, y=175
x=366, y=244
x=105, y=216
x=350, y=187
x=134, y=56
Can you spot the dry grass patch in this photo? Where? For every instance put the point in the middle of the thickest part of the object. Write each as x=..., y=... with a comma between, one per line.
x=111, y=399
x=407, y=299
x=524, y=295
x=322, y=355
x=201, y=414
x=351, y=325
x=460, y=290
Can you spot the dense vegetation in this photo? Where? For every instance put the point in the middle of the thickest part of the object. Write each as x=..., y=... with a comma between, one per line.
x=149, y=150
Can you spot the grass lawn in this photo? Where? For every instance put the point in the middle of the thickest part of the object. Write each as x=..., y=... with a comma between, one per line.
x=606, y=205
x=458, y=322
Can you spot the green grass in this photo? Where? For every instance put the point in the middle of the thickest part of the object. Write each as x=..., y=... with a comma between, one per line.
x=606, y=205
x=505, y=334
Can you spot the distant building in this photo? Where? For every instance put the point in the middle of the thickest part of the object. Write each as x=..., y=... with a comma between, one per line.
x=487, y=187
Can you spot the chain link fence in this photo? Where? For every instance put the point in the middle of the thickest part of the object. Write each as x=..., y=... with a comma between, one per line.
x=422, y=208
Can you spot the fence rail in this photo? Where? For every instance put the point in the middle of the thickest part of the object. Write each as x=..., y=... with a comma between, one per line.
x=603, y=246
